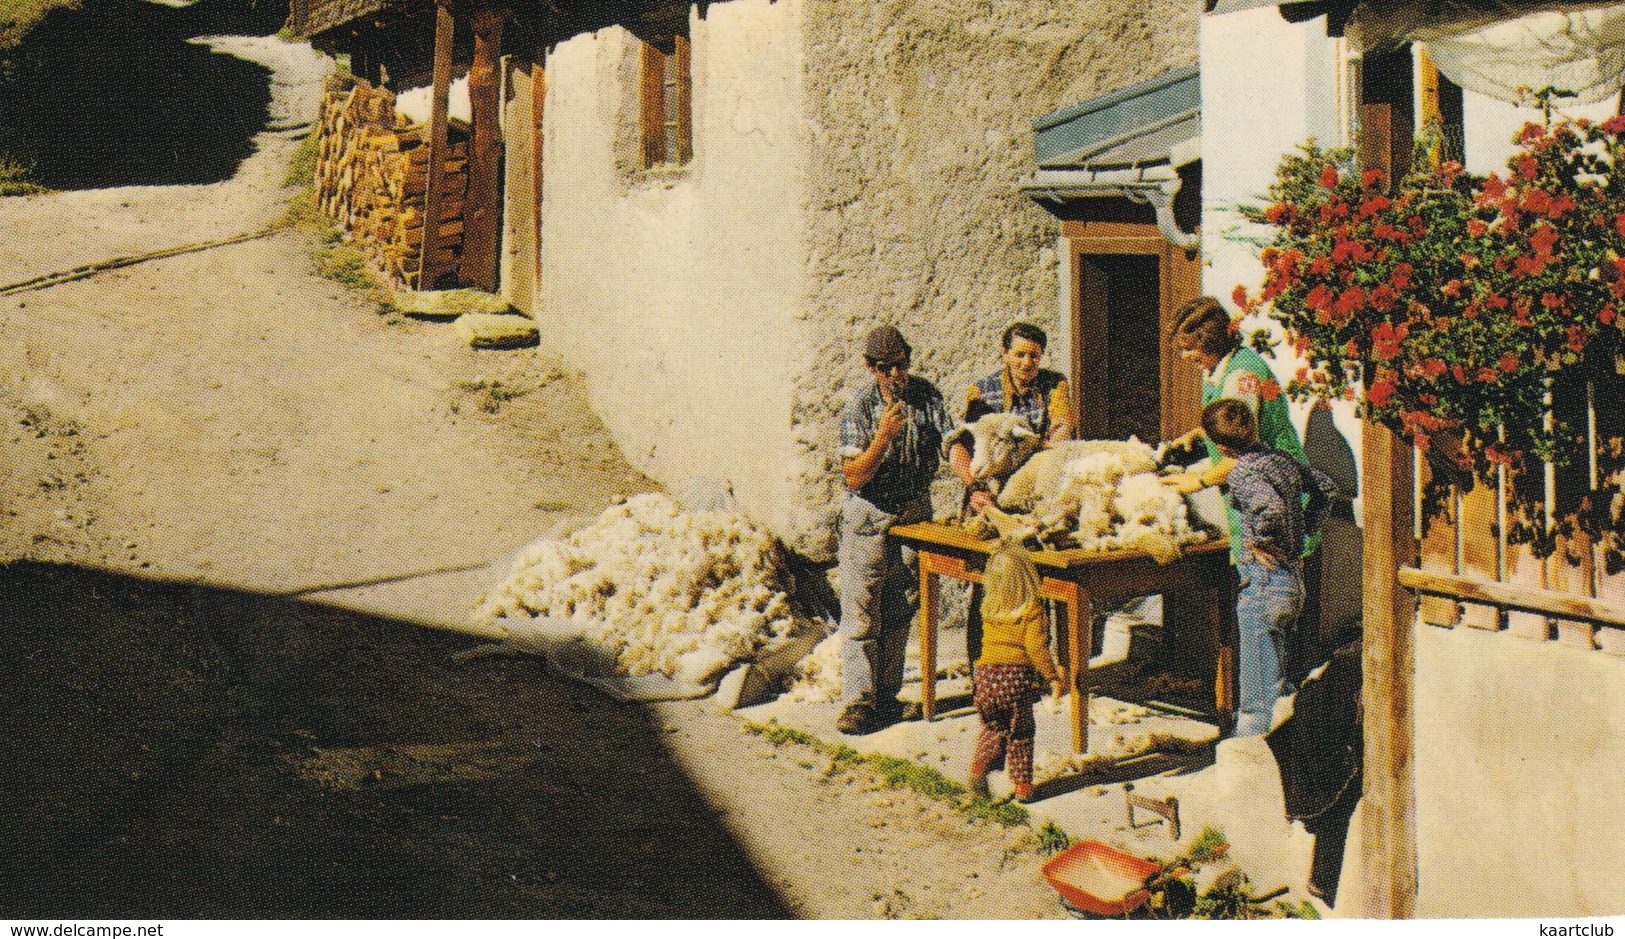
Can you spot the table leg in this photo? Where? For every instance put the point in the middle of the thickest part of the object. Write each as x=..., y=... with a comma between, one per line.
x=928, y=639
x=1079, y=616
x=1224, y=679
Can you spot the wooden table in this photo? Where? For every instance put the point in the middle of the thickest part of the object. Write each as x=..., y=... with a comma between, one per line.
x=1078, y=578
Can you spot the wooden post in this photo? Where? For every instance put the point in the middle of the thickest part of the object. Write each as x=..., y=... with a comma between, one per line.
x=652, y=109
x=444, y=27
x=521, y=187
x=482, y=211
x=1388, y=830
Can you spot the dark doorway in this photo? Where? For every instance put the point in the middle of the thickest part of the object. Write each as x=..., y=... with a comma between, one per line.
x=1121, y=303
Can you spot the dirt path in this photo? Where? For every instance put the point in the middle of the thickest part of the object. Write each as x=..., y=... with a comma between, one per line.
x=195, y=450
x=63, y=230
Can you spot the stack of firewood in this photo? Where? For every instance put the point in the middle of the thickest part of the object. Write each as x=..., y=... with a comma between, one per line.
x=372, y=176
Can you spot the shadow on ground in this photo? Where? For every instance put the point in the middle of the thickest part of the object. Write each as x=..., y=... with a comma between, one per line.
x=190, y=752
x=112, y=94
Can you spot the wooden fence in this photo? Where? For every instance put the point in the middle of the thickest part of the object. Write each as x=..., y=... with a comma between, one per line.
x=1537, y=566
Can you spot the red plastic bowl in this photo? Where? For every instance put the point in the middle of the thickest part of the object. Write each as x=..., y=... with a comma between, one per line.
x=1098, y=878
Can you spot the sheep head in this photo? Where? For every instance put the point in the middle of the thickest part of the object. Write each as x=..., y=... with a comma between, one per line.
x=999, y=443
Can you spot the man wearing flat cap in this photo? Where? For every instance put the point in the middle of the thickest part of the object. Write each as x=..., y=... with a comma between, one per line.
x=891, y=434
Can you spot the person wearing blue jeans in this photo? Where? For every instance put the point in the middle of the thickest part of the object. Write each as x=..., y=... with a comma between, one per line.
x=890, y=445
x=1266, y=490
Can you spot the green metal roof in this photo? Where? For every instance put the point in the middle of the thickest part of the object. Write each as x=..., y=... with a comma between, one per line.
x=1132, y=126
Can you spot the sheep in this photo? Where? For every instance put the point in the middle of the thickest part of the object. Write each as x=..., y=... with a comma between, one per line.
x=1041, y=476
x=999, y=443
x=1155, y=517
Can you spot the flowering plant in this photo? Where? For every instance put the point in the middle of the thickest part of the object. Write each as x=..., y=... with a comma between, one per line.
x=1448, y=304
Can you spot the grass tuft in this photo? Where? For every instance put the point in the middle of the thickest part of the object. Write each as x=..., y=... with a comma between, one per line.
x=17, y=177
x=302, y=166
x=897, y=774
x=1051, y=839
x=1210, y=845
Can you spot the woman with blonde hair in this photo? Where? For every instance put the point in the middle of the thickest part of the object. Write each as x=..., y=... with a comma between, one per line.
x=1011, y=672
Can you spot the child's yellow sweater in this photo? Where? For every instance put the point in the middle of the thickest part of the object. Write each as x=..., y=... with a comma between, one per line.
x=1021, y=642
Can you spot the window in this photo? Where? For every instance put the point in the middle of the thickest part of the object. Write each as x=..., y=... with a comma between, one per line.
x=666, y=119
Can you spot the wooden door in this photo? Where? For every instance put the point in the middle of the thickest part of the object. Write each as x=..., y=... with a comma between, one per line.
x=1128, y=282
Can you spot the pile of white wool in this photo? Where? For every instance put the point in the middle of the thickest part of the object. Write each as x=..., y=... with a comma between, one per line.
x=684, y=594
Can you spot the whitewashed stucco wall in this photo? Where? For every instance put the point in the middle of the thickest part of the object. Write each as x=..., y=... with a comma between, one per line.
x=1257, y=109
x=682, y=297
x=1519, y=749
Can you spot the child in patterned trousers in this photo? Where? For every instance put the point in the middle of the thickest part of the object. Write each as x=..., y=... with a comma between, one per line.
x=1011, y=671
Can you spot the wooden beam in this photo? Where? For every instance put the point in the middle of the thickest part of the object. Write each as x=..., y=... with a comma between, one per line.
x=1510, y=596
x=1388, y=830
x=482, y=213
x=444, y=29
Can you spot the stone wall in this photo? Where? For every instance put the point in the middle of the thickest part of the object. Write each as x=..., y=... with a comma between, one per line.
x=922, y=126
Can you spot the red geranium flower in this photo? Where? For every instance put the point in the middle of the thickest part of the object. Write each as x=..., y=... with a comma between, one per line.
x=1328, y=177
x=1374, y=205
x=1509, y=362
x=1385, y=339
x=1543, y=239
x=1318, y=299
x=1350, y=300
x=1350, y=251
x=1383, y=297
x=1524, y=265
x=1477, y=227
x=1370, y=178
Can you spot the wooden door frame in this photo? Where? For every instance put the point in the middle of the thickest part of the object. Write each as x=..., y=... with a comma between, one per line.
x=1179, y=278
